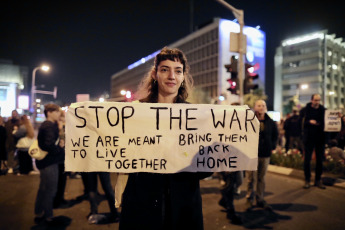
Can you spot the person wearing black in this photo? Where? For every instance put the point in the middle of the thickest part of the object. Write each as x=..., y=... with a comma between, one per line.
x=105, y=180
x=164, y=201
x=292, y=126
x=313, y=119
x=3, y=151
x=48, y=135
x=12, y=160
x=268, y=137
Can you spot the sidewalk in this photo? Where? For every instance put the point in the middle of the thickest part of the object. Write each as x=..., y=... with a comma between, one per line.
x=327, y=178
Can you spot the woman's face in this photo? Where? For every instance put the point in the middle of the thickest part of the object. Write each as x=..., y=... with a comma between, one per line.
x=169, y=77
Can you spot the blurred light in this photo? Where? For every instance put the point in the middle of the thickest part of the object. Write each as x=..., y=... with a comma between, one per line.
x=123, y=92
x=45, y=68
x=334, y=66
x=101, y=99
x=251, y=69
x=221, y=98
x=38, y=100
x=257, y=27
x=143, y=60
x=128, y=94
x=250, y=56
x=64, y=108
x=331, y=92
x=303, y=39
x=304, y=86
x=329, y=53
x=23, y=102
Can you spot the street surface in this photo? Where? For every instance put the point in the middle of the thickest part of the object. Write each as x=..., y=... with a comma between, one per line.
x=293, y=207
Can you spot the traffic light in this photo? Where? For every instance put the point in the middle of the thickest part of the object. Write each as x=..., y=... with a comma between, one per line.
x=232, y=68
x=233, y=80
x=233, y=86
x=250, y=76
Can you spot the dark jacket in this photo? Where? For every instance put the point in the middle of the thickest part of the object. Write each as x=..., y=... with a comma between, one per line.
x=47, y=137
x=309, y=131
x=268, y=137
x=162, y=201
x=292, y=126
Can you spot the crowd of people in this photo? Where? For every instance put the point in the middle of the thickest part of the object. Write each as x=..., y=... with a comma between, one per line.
x=161, y=201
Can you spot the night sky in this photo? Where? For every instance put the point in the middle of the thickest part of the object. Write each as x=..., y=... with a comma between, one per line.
x=85, y=42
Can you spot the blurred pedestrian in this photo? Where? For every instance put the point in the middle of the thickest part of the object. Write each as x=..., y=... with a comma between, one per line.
x=25, y=136
x=268, y=136
x=105, y=180
x=11, y=124
x=292, y=126
x=59, y=200
x=3, y=151
x=232, y=182
x=48, y=136
x=164, y=201
x=313, y=117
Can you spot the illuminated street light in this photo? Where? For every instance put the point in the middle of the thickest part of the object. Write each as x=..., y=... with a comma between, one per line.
x=33, y=87
x=304, y=86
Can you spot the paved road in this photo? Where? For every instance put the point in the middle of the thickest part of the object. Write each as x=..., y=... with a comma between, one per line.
x=294, y=207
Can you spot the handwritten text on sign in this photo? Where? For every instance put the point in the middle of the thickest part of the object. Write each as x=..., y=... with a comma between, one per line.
x=162, y=138
x=332, y=120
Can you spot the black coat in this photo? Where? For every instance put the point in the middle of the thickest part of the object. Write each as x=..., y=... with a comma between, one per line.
x=268, y=137
x=47, y=137
x=309, y=131
x=162, y=201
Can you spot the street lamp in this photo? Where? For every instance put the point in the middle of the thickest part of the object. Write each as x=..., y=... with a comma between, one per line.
x=33, y=87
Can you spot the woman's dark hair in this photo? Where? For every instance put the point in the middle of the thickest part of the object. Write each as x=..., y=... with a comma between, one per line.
x=50, y=108
x=148, y=88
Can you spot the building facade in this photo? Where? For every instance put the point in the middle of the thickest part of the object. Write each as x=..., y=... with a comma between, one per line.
x=13, y=79
x=207, y=51
x=309, y=64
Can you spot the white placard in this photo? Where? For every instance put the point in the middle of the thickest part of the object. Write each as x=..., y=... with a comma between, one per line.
x=161, y=138
x=332, y=121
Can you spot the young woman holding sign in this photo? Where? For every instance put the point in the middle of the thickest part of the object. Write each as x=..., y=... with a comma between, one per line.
x=164, y=201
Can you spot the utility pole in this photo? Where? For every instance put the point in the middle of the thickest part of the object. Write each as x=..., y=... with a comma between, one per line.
x=239, y=16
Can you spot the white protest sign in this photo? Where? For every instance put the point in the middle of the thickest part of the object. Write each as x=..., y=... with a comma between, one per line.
x=161, y=138
x=332, y=121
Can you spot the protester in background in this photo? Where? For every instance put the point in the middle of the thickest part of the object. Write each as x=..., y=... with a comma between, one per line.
x=10, y=125
x=164, y=201
x=48, y=136
x=25, y=137
x=267, y=142
x=313, y=117
x=3, y=151
x=233, y=181
x=59, y=200
x=105, y=180
x=292, y=126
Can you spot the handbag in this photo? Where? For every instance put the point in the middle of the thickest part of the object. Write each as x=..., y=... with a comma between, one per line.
x=36, y=152
x=24, y=142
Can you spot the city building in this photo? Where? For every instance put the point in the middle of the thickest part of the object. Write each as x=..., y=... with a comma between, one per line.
x=208, y=51
x=13, y=79
x=309, y=64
